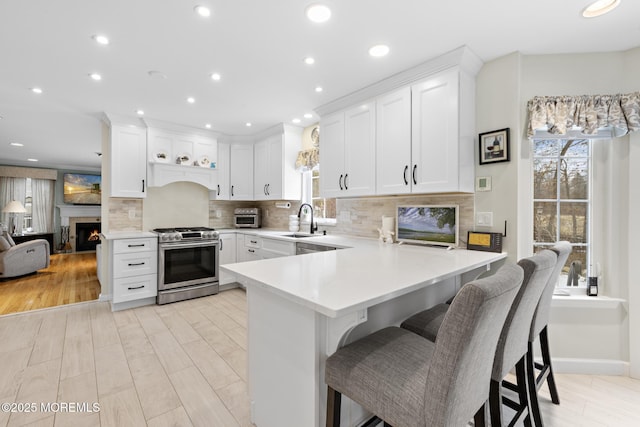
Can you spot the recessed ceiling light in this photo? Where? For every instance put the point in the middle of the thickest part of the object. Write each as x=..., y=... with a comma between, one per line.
x=318, y=13
x=16, y=144
x=95, y=76
x=379, y=50
x=191, y=100
x=157, y=75
x=140, y=112
x=318, y=89
x=216, y=77
x=248, y=124
x=308, y=116
x=208, y=125
x=309, y=60
x=203, y=11
x=600, y=7
x=100, y=39
x=32, y=160
x=36, y=90
x=296, y=121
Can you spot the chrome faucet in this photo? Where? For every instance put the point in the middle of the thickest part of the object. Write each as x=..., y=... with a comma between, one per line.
x=312, y=228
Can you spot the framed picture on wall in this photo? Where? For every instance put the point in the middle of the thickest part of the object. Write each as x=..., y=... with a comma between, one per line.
x=494, y=146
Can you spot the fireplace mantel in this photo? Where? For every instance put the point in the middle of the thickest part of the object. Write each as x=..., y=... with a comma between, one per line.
x=73, y=211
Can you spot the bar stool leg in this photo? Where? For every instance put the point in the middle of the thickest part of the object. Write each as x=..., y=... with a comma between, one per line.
x=533, y=390
x=495, y=403
x=546, y=360
x=333, y=407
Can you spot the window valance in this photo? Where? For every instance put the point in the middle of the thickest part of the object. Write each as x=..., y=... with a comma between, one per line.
x=557, y=114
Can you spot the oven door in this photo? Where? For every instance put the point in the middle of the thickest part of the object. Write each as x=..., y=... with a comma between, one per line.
x=187, y=263
x=246, y=221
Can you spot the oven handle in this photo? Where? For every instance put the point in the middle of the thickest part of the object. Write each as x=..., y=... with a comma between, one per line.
x=178, y=245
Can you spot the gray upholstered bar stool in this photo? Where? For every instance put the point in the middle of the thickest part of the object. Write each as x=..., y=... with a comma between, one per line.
x=539, y=331
x=513, y=344
x=408, y=381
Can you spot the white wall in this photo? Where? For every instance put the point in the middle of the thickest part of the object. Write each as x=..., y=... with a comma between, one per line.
x=503, y=88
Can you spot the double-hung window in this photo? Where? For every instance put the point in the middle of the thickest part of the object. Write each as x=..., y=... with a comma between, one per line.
x=562, y=201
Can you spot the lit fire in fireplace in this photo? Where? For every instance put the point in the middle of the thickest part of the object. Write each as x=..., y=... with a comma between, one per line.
x=95, y=235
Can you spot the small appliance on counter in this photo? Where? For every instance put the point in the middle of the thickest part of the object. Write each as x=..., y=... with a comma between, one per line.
x=247, y=218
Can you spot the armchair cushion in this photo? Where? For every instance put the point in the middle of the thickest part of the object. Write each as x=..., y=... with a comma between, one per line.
x=4, y=244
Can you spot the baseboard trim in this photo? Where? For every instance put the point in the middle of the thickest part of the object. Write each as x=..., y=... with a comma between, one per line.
x=590, y=366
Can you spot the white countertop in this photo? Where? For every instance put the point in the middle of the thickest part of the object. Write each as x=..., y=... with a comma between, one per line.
x=338, y=282
x=128, y=235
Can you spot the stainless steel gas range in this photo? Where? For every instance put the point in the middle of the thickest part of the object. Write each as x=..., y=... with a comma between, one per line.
x=188, y=263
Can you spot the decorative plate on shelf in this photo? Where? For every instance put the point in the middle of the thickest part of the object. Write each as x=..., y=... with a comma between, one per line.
x=203, y=162
x=315, y=136
x=161, y=157
x=183, y=159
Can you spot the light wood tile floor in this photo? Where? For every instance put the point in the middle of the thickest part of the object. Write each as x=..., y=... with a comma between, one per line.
x=184, y=364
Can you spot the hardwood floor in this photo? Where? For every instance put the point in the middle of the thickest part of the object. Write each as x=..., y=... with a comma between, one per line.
x=70, y=278
x=184, y=364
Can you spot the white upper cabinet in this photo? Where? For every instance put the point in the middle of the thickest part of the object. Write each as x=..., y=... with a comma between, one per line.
x=393, y=143
x=128, y=170
x=223, y=188
x=241, y=172
x=347, y=154
x=274, y=166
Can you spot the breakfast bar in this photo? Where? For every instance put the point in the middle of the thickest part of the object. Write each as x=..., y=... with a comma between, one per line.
x=302, y=308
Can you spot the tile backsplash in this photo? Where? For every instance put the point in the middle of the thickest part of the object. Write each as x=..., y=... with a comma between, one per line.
x=357, y=216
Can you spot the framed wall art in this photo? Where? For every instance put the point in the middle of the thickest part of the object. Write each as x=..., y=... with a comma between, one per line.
x=494, y=146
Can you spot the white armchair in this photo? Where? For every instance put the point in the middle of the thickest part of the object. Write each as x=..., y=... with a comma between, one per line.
x=25, y=258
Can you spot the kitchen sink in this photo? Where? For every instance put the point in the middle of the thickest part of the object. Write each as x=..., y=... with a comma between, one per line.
x=300, y=236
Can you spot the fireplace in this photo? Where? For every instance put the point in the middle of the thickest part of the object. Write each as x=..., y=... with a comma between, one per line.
x=87, y=236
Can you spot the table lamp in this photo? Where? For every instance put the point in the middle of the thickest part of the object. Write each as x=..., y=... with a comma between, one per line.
x=13, y=207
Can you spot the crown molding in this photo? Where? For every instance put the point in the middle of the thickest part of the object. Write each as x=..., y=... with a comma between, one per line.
x=463, y=58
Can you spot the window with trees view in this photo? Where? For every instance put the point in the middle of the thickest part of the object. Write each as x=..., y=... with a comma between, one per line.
x=561, y=192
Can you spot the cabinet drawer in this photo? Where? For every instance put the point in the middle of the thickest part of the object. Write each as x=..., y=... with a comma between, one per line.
x=121, y=246
x=132, y=288
x=135, y=264
x=252, y=241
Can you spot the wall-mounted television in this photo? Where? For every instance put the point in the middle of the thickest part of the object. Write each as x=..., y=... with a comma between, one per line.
x=82, y=189
x=427, y=225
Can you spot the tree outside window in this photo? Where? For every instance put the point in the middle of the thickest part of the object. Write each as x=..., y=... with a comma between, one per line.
x=561, y=188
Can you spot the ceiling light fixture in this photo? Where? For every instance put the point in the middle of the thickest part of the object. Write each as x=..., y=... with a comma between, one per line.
x=95, y=76
x=318, y=13
x=157, y=75
x=100, y=39
x=308, y=116
x=248, y=124
x=215, y=77
x=296, y=121
x=191, y=100
x=600, y=7
x=32, y=160
x=140, y=112
x=208, y=125
x=16, y=144
x=36, y=90
x=379, y=50
x=309, y=60
x=203, y=11
x=318, y=89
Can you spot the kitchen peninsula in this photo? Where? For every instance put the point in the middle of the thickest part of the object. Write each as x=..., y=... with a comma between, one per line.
x=302, y=308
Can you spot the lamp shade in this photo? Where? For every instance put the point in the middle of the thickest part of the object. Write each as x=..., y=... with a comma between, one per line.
x=14, y=206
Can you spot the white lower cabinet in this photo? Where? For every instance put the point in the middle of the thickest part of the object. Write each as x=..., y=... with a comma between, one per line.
x=249, y=248
x=134, y=269
x=227, y=256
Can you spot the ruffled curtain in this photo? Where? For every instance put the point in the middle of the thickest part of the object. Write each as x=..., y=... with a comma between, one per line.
x=557, y=114
x=308, y=160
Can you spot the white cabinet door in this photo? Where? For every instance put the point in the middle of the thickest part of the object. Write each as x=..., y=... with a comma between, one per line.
x=261, y=169
x=393, y=143
x=332, y=156
x=128, y=162
x=223, y=167
x=275, y=164
x=227, y=256
x=241, y=172
x=360, y=150
x=435, y=139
